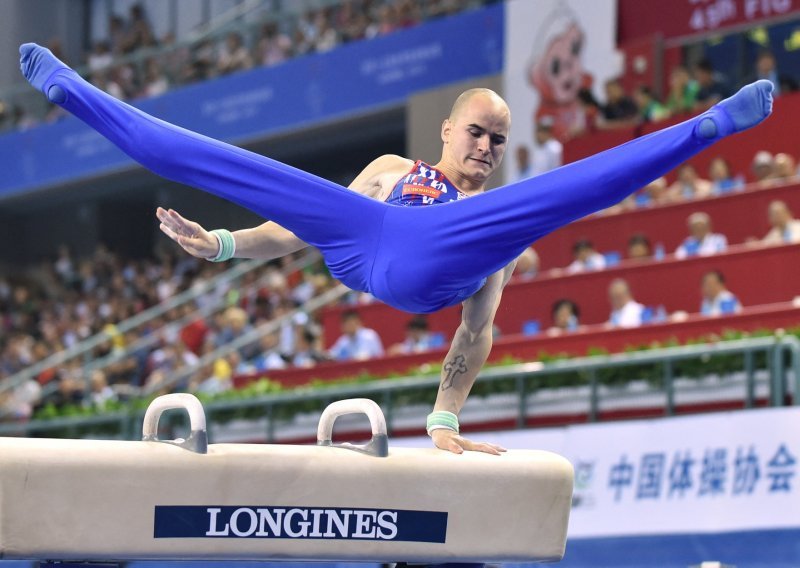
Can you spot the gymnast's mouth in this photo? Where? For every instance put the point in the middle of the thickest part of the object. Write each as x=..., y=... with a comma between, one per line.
x=481, y=161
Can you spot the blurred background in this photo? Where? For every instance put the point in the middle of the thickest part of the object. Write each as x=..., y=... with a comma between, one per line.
x=631, y=341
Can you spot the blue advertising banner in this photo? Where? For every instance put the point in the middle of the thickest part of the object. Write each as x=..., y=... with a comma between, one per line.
x=674, y=492
x=349, y=80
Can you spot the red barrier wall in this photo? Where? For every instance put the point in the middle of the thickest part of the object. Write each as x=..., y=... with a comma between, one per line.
x=739, y=217
x=756, y=275
x=773, y=316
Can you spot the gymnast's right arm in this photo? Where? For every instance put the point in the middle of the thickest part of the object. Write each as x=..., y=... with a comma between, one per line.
x=269, y=240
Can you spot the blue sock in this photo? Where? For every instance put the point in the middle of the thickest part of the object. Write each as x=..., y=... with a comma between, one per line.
x=38, y=64
x=749, y=106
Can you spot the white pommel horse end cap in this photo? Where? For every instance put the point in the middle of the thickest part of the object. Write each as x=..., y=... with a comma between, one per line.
x=187, y=500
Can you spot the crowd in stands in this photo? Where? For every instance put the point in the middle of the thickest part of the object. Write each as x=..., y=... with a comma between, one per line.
x=60, y=303
x=766, y=170
x=700, y=241
x=690, y=91
x=124, y=64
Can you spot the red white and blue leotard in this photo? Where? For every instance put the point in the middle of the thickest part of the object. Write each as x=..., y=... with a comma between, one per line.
x=424, y=185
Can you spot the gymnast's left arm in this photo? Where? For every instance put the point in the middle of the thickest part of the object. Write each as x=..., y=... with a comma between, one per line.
x=468, y=352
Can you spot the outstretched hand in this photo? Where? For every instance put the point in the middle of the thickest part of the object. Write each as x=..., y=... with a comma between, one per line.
x=192, y=237
x=453, y=442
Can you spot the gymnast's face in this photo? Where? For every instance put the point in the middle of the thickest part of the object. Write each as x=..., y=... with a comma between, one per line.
x=475, y=136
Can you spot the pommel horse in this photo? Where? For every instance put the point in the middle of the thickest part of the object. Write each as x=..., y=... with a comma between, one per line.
x=83, y=500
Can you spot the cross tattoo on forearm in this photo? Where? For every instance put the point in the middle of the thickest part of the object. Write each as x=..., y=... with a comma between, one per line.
x=454, y=368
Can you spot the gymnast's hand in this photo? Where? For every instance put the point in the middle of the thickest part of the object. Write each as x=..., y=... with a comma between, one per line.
x=453, y=442
x=193, y=238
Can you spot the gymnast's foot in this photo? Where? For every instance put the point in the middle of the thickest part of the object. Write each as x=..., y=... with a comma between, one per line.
x=38, y=64
x=748, y=107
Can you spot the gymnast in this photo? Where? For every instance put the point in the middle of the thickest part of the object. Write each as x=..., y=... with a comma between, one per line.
x=380, y=235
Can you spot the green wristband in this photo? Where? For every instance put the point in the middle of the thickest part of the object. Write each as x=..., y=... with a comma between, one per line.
x=227, y=245
x=441, y=419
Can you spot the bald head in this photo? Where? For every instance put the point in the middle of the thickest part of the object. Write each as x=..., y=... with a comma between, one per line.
x=486, y=95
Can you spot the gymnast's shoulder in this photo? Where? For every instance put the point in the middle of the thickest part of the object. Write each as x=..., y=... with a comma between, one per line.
x=374, y=176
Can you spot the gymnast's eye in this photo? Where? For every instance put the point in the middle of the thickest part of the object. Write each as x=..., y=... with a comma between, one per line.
x=576, y=48
x=555, y=67
x=476, y=133
x=498, y=140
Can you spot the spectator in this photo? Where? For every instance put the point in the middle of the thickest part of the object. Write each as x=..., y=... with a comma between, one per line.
x=234, y=324
x=269, y=358
x=639, y=247
x=785, y=228
x=155, y=81
x=591, y=114
x=682, y=91
x=625, y=311
x=357, y=29
x=387, y=21
x=701, y=241
x=547, y=151
x=174, y=59
x=202, y=66
x=766, y=68
x=722, y=179
x=619, y=108
x=309, y=352
x=101, y=57
x=654, y=193
x=140, y=33
x=272, y=47
x=763, y=167
x=101, y=393
x=357, y=342
x=439, y=8
x=689, y=185
x=309, y=26
x=344, y=18
x=711, y=88
x=233, y=56
x=650, y=110
x=116, y=34
x=524, y=169
x=527, y=264
x=566, y=317
x=5, y=115
x=71, y=388
x=408, y=14
x=585, y=258
x=418, y=338
x=18, y=404
x=218, y=378
x=327, y=36
x=784, y=168
x=717, y=300
x=301, y=44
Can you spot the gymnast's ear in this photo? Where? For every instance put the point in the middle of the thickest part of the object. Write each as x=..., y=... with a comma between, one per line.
x=447, y=128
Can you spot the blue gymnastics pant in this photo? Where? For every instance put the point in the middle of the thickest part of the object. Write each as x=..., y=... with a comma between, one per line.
x=417, y=259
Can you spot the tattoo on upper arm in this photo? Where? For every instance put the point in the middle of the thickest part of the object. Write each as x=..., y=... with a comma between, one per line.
x=457, y=366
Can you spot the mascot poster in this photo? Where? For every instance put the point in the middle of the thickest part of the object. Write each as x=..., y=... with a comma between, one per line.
x=555, y=48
